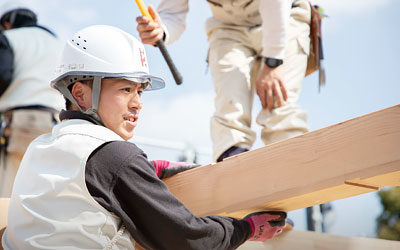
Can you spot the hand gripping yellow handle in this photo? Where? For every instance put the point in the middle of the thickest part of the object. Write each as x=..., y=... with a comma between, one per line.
x=160, y=44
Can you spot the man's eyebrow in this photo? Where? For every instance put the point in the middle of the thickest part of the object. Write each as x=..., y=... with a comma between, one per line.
x=132, y=83
x=139, y=85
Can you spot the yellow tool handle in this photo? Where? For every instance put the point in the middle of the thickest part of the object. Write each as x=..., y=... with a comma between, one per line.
x=160, y=44
x=143, y=9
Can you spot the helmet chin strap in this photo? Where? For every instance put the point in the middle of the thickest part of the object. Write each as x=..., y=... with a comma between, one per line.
x=65, y=91
x=95, y=100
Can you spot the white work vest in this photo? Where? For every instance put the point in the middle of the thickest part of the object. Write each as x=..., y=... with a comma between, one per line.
x=36, y=53
x=50, y=207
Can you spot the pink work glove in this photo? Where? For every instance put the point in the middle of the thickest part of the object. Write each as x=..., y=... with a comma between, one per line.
x=166, y=169
x=265, y=225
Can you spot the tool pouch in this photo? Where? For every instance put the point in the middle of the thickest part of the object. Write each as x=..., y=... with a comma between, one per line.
x=315, y=38
x=316, y=55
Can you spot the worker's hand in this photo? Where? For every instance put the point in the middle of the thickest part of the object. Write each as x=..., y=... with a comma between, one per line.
x=150, y=32
x=265, y=225
x=166, y=169
x=270, y=87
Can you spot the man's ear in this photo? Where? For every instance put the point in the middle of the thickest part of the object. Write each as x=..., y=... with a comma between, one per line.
x=82, y=93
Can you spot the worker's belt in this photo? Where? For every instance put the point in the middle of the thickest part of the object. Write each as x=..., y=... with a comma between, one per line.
x=33, y=107
x=6, y=118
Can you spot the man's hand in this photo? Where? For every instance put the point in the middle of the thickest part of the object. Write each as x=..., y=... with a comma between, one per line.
x=150, y=32
x=265, y=225
x=166, y=169
x=270, y=87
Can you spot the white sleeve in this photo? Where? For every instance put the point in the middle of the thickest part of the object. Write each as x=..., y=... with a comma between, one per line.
x=275, y=20
x=173, y=15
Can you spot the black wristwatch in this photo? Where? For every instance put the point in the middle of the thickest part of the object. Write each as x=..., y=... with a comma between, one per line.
x=272, y=62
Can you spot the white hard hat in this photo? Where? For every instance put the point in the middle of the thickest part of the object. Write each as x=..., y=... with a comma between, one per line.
x=99, y=52
x=12, y=6
x=104, y=51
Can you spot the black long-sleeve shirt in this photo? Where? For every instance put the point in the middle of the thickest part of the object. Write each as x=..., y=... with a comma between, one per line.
x=121, y=179
x=6, y=63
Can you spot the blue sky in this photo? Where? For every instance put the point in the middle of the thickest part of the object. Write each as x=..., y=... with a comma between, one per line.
x=362, y=51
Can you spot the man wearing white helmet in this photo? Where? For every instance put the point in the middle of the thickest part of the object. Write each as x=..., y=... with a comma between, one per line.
x=84, y=186
x=28, y=53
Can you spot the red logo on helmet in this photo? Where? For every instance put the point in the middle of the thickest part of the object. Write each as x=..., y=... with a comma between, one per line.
x=142, y=57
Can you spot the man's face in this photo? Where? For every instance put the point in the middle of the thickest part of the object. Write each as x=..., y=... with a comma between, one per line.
x=119, y=106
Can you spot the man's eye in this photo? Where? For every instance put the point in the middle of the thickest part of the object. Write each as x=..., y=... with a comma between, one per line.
x=127, y=90
x=140, y=92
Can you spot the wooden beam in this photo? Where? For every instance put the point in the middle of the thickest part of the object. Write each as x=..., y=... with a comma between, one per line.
x=298, y=240
x=347, y=159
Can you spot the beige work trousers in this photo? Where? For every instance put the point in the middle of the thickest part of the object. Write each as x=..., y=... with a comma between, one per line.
x=235, y=59
x=25, y=126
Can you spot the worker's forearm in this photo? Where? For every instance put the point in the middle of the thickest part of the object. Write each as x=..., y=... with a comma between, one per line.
x=275, y=19
x=173, y=15
x=166, y=223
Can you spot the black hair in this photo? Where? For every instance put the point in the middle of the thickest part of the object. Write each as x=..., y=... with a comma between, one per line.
x=68, y=103
x=20, y=18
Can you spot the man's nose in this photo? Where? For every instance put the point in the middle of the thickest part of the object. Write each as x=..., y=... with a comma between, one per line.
x=136, y=102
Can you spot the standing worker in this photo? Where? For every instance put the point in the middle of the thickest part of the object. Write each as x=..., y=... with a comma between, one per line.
x=255, y=46
x=84, y=186
x=28, y=53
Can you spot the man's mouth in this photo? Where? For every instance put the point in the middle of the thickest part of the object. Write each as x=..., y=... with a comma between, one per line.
x=131, y=118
